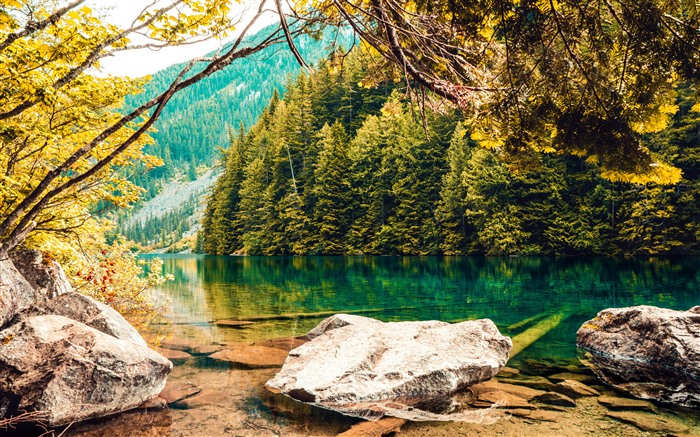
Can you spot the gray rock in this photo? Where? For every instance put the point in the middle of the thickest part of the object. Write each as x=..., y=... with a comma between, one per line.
x=648, y=352
x=338, y=321
x=74, y=372
x=44, y=275
x=16, y=294
x=367, y=368
x=91, y=312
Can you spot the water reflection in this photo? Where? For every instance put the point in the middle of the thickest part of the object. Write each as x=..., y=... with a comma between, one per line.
x=506, y=290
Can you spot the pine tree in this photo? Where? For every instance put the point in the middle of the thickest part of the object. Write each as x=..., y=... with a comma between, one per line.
x=452, y=205
x=371, y=185
x=334, y=205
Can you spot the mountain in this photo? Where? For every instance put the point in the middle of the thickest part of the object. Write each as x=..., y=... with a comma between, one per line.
x=195, y=124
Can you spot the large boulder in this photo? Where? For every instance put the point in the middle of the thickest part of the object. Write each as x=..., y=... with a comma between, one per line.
x=16, y=294
x=649, y=352
x=72, y=372
x=363, y=367
x=91, y=312
x=45, y=275
x=27, y=278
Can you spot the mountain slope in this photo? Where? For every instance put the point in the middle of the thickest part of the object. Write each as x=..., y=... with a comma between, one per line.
x=195, y=121
x=196, y=124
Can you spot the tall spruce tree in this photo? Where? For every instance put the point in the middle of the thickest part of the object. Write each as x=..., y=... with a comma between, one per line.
x=334, y=207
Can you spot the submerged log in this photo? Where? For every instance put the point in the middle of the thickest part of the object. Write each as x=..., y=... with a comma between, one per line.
x=292, y=316
x=523, y=340
x=529, y=320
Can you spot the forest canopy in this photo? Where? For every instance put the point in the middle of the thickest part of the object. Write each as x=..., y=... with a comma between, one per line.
x=339, y=169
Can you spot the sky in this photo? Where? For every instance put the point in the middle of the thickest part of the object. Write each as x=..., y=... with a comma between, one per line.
x=137, y=63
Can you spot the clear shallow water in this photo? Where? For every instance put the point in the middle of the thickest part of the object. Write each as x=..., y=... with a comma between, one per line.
x=282, y=294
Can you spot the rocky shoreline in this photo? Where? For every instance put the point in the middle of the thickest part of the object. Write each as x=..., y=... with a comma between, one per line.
x=65, y=357
x=541, y=397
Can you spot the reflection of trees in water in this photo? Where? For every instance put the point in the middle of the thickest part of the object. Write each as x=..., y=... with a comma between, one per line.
x=448, y=288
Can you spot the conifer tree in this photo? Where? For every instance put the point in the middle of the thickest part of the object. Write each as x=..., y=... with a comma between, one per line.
x=452, y=205
x=334, y=206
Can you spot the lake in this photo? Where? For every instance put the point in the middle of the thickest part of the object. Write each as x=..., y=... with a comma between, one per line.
x=287, y=296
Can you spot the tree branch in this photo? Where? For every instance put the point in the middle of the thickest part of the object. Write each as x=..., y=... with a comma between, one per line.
x=35, y=26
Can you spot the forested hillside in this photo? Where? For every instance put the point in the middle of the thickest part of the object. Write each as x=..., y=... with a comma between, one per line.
x=195, y=122
x=338, y=168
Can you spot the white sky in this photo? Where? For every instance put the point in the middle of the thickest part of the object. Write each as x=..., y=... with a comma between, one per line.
x=136, y=63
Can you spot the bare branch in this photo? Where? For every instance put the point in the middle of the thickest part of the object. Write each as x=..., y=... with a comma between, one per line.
x=290, y=42
x=88, y=62
x=39, y=197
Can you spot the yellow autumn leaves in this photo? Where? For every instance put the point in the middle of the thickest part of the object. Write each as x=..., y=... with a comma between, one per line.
x=58, y=116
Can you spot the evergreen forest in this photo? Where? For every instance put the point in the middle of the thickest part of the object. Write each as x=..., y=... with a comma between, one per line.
x=340, y=167
x=197, y=122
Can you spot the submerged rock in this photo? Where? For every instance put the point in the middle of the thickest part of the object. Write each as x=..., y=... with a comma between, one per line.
x=649, y=423
x=366, y=368
x=73, y=372
x=176, y=357
x=648, y=352
x=284, y=343
x=249, y=356
x=386, y=426
x=536, y=382
x=556, y=399
x=575, y=389
x=501, y=399
x=177, y=391
x=618, y=403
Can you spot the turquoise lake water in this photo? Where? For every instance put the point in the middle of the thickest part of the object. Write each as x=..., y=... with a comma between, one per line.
x=515, y=293
x=544, y=300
